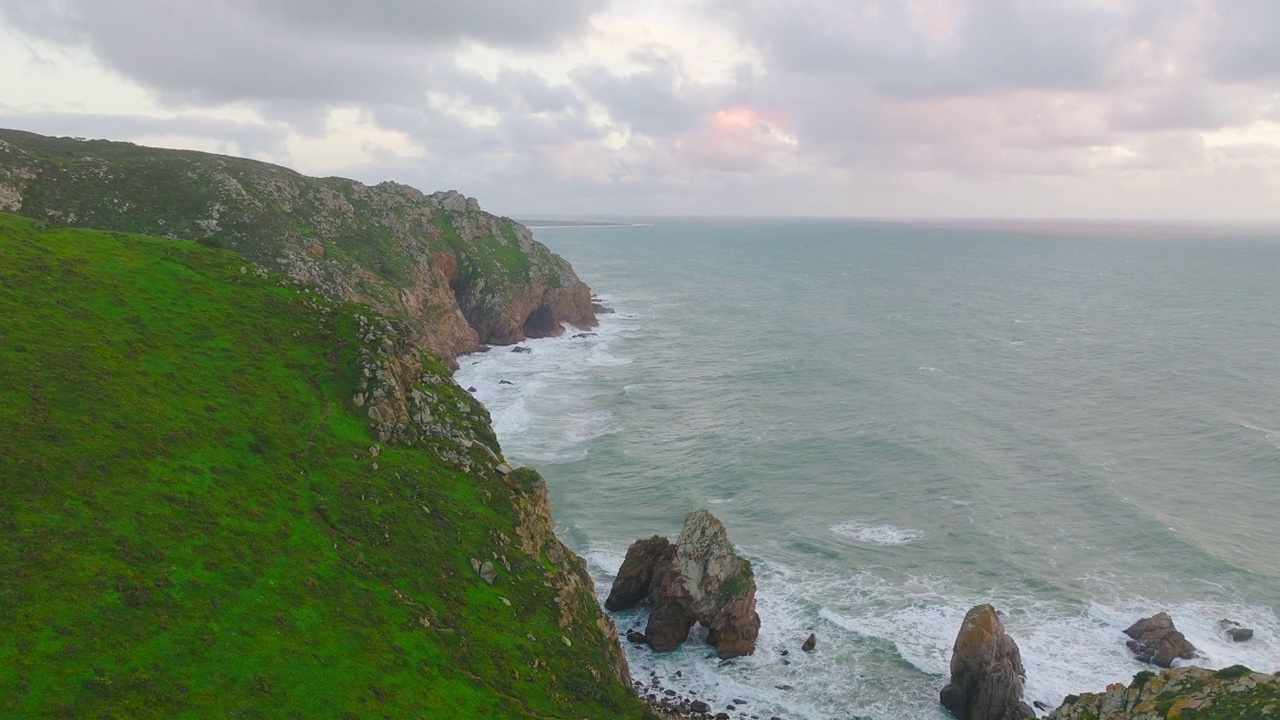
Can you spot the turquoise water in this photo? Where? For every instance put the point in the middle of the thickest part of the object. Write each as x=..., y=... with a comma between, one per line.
x=896, y=422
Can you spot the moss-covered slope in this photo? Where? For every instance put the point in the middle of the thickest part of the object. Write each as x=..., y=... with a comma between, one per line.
x=199, y=522
x=459, y=276
x=1190, y=693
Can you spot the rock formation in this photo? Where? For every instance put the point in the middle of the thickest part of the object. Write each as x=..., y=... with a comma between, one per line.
x=1157, y=641
x=699, y=579
x=986, y=671
x=1235, y=631
x=457, y=276
x=1234, y=693
x=635, y=577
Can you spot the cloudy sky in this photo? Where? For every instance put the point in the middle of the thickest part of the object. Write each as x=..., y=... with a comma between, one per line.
x=989, y=108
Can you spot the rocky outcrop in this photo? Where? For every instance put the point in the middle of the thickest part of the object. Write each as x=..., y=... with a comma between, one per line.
x=456, y=275
x=698, y=579
x=1234, y=693
x=635, y=577
x=1155, y=640
x=986, y=671
x=1234, y=631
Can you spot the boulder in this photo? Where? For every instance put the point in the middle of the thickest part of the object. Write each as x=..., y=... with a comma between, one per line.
x=1234, y=631
x=986, y=671
x=635, y=577
x=810, y=643
x=1157, y=641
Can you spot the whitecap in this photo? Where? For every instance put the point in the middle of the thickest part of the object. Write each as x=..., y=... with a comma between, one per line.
x=876, y=534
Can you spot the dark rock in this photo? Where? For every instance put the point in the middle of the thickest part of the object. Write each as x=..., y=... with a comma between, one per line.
x=736, y=701
x=1157, y=641
x=505, y=382
x=471, y=389
x=635, y=577
x=636, y=637
x=730, y=708
x=784, y=687
x=1041, y=706
x=699, y=707
x=986, y=671
x=810, y=643
x=785, y=653
x=519, y=349
x=722, y=716
x=1240, y=634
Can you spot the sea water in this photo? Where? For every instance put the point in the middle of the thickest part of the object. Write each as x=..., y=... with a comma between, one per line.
x=896, y=421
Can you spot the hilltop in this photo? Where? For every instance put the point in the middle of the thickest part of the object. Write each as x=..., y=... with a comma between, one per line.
x=456, y=275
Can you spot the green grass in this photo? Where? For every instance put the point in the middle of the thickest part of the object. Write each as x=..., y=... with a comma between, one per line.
x=194, y=526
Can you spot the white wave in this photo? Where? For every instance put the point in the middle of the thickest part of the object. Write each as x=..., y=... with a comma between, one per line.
x=876, y=534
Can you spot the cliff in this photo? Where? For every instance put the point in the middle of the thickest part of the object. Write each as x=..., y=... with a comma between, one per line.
x=226, y=495
x=456, y=275
x=1188, y=693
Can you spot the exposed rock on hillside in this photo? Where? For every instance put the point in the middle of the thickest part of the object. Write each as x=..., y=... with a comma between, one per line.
x=1234, y=693
x=698, y=579
x=1157, y=641
x=457, y=275
x=986, y=671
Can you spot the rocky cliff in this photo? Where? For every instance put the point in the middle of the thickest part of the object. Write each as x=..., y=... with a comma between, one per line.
x=457, y=275
x=1189, y=693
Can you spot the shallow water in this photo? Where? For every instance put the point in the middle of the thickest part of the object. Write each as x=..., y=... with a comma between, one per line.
x=897, y=422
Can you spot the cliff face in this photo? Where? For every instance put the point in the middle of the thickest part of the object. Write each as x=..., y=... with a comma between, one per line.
x=457, y=275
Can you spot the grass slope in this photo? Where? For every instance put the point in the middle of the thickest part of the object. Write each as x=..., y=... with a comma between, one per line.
x=194, y=524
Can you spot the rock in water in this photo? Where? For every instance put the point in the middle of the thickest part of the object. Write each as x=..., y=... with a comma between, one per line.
x=810, y=643
x=986, y=671
x=698, y=579
x=717, y=585
x=635, y=577
x=1157, y=641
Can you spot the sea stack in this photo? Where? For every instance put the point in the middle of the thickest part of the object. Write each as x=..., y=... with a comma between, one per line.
x=986, y=671
x=698, y=579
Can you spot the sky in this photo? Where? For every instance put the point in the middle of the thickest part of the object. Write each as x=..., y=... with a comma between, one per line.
x=886, y=108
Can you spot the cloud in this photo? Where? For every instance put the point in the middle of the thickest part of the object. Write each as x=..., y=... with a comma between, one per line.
x=283, y=51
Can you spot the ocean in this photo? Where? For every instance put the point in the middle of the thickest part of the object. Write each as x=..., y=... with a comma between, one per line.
x=896, y=421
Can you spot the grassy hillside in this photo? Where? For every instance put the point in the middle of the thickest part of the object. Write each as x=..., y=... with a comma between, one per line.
x=459, y=276
x=198, y=522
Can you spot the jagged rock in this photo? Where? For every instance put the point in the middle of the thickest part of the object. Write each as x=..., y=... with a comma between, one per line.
x=810, y=643
x=635, y=577
x=637, y=637
x=986, y=671
x=701, y=579
x=1157, y=641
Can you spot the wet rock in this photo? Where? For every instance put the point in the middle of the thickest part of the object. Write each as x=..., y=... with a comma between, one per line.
x=699, y=707
x=1155, y=640
x=520, y=349
x=505, y=382
x=986, y=671
x=1234, y=631
x=810, y=643
x=636, y=637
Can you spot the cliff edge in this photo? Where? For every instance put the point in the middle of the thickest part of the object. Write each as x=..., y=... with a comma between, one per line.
x=457, y=276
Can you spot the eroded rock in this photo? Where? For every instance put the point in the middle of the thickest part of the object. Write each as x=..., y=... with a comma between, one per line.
x=699, y=578
x=986, y=671
x=1157, y=641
